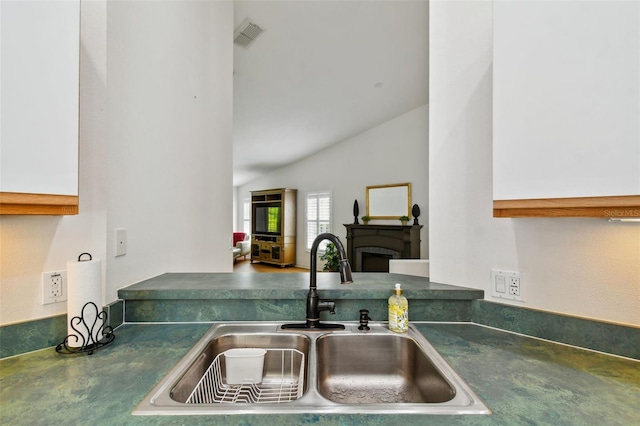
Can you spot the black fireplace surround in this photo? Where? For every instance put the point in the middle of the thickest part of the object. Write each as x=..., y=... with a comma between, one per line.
x=370, y=247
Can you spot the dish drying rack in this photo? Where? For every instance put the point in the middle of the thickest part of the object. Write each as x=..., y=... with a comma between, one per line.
x=279, y=384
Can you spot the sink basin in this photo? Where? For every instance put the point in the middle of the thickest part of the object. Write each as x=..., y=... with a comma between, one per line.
x=282, y=367
x=342, y=371
x=378, y=369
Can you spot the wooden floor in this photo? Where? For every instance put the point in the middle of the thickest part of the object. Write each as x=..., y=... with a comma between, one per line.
x=247, y=266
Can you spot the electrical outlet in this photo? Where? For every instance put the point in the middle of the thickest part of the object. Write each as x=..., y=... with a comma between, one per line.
x=514, y=286
x=506, y=285
x=54, y=287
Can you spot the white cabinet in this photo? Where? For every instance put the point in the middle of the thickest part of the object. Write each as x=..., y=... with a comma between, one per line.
x=567, y=108
x=40, y=97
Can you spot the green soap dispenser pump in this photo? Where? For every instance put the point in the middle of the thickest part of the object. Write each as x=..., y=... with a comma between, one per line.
x=398, y=311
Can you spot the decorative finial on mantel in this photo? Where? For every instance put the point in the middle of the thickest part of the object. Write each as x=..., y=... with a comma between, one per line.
x=356, y=212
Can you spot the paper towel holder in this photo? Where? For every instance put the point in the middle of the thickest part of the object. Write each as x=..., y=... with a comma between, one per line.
x=91, y=343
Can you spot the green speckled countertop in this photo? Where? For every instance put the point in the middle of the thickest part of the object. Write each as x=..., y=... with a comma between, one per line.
x=293, y=285
x=522, y=380
x=208, y=297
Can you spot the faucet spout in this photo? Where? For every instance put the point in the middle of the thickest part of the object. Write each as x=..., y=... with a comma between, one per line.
x=346, y=276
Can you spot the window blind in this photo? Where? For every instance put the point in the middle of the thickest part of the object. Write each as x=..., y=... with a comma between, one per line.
x=318, y=216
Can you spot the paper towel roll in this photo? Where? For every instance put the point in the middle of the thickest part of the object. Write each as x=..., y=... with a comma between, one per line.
x=84, y=284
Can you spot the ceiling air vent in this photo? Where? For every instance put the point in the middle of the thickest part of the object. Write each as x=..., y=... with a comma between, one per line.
x=246, y=33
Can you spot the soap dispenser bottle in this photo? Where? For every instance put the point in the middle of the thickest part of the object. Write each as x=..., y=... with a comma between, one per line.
x=398, y=311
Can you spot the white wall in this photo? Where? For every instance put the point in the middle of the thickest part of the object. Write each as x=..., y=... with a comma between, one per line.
x=155, y=154
x=392, y=152
x=170, y=99
x=583, y=267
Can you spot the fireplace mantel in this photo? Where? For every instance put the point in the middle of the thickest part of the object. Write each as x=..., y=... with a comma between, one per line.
x=403, y=240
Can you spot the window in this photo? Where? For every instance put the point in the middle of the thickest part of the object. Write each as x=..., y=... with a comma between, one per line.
x=318, y=216
x=246, y=216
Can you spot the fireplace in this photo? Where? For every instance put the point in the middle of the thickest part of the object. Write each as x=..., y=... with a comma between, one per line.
x=370, y=247
x=374, y=259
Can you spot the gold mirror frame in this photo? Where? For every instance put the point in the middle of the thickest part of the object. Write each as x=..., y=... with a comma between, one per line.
x=389, y=201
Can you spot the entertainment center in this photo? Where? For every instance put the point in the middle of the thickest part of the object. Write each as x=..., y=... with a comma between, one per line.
x=273, y=226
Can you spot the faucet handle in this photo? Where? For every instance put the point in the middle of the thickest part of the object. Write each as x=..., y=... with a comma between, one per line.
x=364, y=319
x=327, y=305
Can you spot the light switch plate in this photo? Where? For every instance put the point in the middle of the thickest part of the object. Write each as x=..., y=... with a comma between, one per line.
x=121, y=242
x=506, y=285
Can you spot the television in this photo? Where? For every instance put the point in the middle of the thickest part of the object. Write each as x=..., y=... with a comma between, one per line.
x=267, y=220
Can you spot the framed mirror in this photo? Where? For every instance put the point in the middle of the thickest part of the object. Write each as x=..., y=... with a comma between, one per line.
x=389, y=201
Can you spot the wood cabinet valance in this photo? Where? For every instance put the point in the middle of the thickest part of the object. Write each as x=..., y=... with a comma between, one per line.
x=41, y=204
x=621, y=207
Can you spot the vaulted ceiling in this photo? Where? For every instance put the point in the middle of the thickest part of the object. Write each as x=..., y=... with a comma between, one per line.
x=321, y=72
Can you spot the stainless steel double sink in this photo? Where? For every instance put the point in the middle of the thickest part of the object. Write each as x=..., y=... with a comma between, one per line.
x=325, y=371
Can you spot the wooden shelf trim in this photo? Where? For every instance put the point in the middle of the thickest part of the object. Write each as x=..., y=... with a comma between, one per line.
x=38, y=204
x=614, y=207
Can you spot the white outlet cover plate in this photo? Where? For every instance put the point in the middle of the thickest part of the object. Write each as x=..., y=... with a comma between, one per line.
x=500, y=284
x=46, y=286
